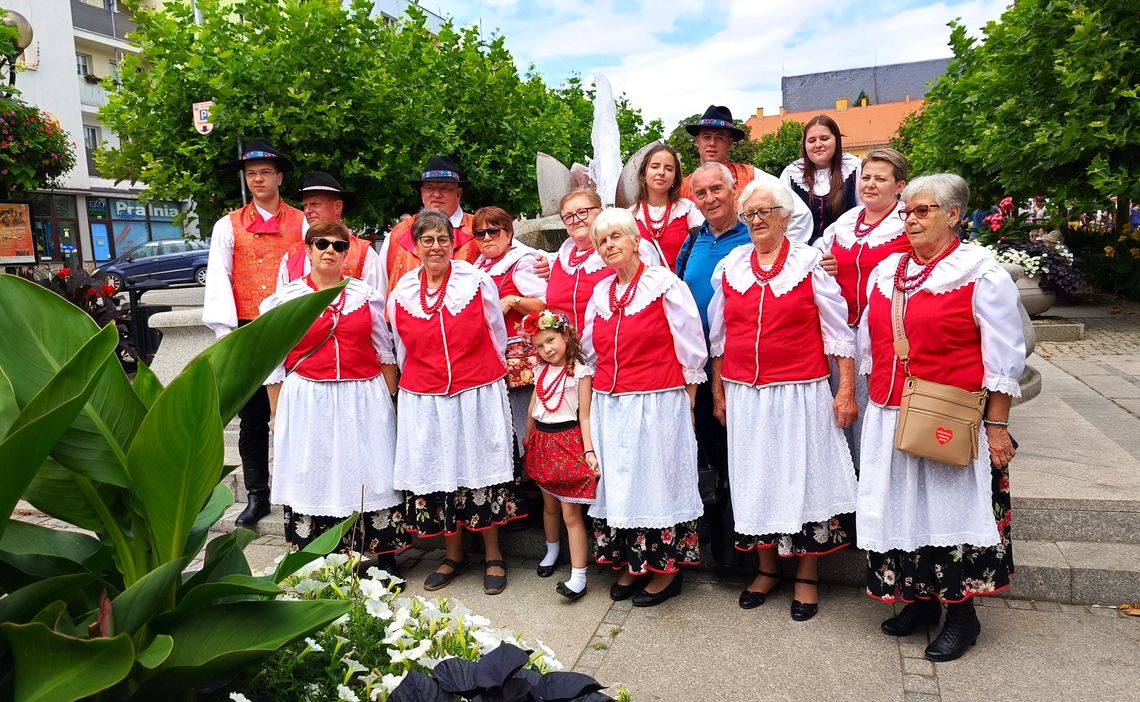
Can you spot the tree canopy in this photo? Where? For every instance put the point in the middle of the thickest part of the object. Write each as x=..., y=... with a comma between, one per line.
x=1047, y=102
x=342, y=91
x=776, y=150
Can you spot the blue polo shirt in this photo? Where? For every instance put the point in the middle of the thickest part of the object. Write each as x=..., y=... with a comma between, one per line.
x=707, y=251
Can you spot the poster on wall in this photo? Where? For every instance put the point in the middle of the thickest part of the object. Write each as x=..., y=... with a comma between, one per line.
x=17, y=245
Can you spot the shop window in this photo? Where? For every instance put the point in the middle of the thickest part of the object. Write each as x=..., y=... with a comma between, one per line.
x=122, y=224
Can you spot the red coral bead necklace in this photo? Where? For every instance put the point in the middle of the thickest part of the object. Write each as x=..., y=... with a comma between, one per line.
x=905, y=283
x=656, y=227
x=862, y=229
x=557, y=387
x=431, y=309
x=778, y=265
x=618, y=304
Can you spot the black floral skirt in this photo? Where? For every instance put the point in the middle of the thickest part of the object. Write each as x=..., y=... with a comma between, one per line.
x=647, y=550
x=814, y=539
x=950, y=574
x=475, y=509
x=375, y=533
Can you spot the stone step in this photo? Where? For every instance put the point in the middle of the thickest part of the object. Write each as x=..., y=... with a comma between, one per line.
x=1050, y=519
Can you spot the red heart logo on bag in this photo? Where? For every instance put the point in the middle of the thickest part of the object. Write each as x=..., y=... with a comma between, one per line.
x=943, y=435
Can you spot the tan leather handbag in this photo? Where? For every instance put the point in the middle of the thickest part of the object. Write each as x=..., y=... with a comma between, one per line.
x=936, y=421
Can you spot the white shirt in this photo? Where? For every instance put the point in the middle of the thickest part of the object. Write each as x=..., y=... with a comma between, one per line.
x=219, y=311
x=567, y=411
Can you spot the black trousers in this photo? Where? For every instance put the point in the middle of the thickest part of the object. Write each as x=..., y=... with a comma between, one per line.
x=253, y=440
x=712, y=450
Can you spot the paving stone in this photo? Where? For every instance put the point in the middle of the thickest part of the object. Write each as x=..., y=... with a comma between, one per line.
x=920, y=684
x=1020, y=604
x=912, y=650
x=917, y=666
x=615, y=617
x=1046, y=606
x=1074, y=609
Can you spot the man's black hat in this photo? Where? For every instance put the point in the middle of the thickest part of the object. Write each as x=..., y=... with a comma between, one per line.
x=321, y=182
x=261, y=150
x=440, y=169
x=716, y=117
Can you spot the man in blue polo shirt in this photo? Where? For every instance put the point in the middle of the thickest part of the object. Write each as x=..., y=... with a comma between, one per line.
x=714, y=192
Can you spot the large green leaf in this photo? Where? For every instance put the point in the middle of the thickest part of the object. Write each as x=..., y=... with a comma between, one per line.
x=229, y=586
x=47, y=416
x=149, y=595
x=176, y=458
x=23, y=604
x=27, y=538
x=221, y=500
x=221, y=638
x=56, y=617
x=56, y=491
x=224, y=556
x=243, y=359
x=51, y=667
x=9, y=409
x=41, y=332
x=146, y=385
x=157, y=652
x=316, y=548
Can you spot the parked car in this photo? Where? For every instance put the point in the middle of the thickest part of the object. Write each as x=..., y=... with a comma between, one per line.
x=168, y=260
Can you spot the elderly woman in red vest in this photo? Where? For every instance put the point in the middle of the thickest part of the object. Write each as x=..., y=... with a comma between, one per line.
x=644, y=341
x=578, y=267
x=775, y=320
x=857, y=242
x=453, y=437
x=521, y=291
x=936, y=533
x=334, y=442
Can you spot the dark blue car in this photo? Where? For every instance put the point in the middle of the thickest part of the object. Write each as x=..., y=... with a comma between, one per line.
x=169, y=260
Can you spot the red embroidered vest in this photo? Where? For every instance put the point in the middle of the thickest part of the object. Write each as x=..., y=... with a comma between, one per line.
x=743, y=173
x=635, y=352
x=671, y=239
x=855, y=266
x=400, y=258
x=505, y=282
x=448, y=354
x=347, y=355
x=353, y=263
x=772, y=339
x=569, y=292
x=258, y=256
x=945, y=345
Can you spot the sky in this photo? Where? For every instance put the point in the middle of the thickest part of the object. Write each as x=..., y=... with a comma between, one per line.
x=673, y=59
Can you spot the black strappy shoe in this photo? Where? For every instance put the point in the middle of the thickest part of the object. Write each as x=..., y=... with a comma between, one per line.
x=803, y=611
x=751, y=599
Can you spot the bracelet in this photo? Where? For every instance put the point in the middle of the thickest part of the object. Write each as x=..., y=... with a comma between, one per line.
x=590, y=451
x=994, y=423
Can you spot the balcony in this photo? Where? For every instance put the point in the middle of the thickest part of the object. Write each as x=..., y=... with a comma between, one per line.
x=98, y=20
x=91, y=95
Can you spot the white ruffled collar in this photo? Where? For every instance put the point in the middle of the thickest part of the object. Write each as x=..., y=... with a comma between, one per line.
x=966, y=265
x=887, y=231
x=510, y=258
x=462, y=287
x=802, y=260
x=681, y=208
x=356, y=294
x=848, y=165
x=592, y=264
x=655, y=282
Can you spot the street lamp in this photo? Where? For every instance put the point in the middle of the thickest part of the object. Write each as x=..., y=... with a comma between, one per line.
x=23, y=41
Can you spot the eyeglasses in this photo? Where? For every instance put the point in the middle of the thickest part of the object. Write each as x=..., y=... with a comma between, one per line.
x=488, y=233
x=338, y=245
x=919, y=211
x=762, y=213
x=429, y=242
x=714, y=191
x=579, y=216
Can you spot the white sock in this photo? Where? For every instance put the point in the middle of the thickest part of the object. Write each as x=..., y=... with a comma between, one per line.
x=552, y=549
x=577, y=581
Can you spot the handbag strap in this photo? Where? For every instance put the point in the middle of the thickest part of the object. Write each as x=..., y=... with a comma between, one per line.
x=901, y=343
x=302, y=359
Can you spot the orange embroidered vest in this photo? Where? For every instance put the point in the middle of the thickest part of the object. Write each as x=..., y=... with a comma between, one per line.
x=744, y=173
x=258, y=256
x=353, y=263
x=400, y=258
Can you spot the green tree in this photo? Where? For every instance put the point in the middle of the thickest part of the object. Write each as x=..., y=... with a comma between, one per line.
x=743, y=151
x=1046, y=102
x=776, y=150
x=34, y=151
x=338, y=90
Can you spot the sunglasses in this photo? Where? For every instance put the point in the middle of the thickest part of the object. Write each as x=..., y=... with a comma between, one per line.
x=488, y=233
x=338, y=245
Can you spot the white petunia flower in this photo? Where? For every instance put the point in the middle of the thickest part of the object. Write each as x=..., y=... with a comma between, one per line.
x=238, y=697
x=372, y=589
x=411, y=654
x=309, y=585
x=353, y=666
x=390, y=682
x=336, y=560
x=345, y=694
x=378, y=609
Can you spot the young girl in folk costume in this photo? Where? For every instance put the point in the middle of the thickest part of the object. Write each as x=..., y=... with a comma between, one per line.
x=559, y=456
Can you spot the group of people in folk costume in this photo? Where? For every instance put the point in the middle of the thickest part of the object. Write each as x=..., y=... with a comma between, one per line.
x=731, y=322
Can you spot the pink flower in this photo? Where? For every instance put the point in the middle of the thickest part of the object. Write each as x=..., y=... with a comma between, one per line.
x=64, y=272
x=995, y=221
x=1006, y=204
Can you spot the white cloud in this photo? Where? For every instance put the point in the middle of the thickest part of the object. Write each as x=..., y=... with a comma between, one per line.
x=738, y=64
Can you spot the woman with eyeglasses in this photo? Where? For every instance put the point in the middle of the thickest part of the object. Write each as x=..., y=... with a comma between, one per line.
x=521, y=291
x=577, y=267
x=664, y=218
x=937, y=533
x=775, y=320
x=334, y=439
x=453, y=431
x=857, y=242
x=824, y=177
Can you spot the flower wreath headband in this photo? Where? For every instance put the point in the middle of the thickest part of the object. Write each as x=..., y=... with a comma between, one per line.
x=544, y=320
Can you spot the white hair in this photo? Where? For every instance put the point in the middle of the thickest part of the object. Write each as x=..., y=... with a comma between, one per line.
x=948, y=190
x=614, y=219
x=781, y=195
x=725, y=172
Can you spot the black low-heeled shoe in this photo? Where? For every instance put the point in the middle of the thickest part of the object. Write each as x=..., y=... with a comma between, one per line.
x=912, y=617
x=569, y=594
x=958, y=634
x=619, y=592
x=751, y=599
x=438, y=580
x=494, y=584
x=803, y=611
x=546, y=571
x=652, y=599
